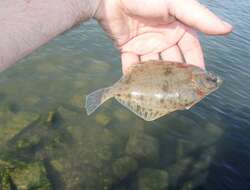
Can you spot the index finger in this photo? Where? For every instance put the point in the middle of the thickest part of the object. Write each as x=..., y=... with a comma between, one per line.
x=193, y=14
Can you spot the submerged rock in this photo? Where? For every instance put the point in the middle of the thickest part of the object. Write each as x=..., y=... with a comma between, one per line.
x=142, y=146
x=4, y=180
x=122, y=115
x=31, y=176
x=69, y=115
x=213, y=134
x=195, y=182
x=188, y=169
x=19, y=175
x=122, y=167
x=152, y=179
x=13, y=123
x=87, y=162
x=77, y=101
x=102, y=119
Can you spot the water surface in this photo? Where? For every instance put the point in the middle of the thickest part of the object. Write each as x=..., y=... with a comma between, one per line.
x=204, y=148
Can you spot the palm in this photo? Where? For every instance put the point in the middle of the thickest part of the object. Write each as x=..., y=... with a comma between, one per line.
x=144, y=30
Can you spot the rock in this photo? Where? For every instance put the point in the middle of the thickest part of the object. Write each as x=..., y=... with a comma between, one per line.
x=13, y=123
x=122, y=115
x=143, y=147
x=190, y=168
x=152, y=179
x=213, y=134
x=122, y=167
x=4, y=180
x=28, y=142
x=50, y=117
x=184, y=147
x=179, y=170
x=77, y=101
x=195, y=182
x=32, y=100
x=102, y=119
x=48, y=67
x=68, y=115
x=57, y=164
x=98, y=66
x=87, y=162
x=120, y=188
x=31, y=176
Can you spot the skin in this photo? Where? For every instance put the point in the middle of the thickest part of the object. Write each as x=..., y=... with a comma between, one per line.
x=141, y=30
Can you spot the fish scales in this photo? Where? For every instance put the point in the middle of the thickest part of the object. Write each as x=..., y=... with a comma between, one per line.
x=154, y=88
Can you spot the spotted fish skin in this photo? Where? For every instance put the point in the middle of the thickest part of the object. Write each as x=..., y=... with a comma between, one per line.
x=154, y=88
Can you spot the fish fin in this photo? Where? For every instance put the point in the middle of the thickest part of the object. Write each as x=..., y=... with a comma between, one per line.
x=142, y=112
x=95, y=99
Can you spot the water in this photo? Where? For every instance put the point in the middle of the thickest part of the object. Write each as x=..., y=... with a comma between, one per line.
x=204, y=148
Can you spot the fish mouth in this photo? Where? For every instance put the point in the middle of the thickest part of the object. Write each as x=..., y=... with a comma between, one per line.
x=219, y=81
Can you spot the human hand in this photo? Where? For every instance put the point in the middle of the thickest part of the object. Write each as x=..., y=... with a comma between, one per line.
x=158, y=29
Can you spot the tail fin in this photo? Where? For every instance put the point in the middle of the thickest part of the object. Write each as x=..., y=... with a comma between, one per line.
x=94, y=100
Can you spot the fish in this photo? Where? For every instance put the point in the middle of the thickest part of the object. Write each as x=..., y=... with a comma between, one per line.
x=152, y=89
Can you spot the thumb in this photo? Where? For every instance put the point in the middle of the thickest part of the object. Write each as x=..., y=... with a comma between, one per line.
x=193, y=14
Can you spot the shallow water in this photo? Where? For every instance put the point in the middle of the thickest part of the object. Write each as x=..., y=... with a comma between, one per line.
x=43, y=119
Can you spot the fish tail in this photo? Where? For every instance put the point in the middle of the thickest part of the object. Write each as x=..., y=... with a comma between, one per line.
x=95, y=99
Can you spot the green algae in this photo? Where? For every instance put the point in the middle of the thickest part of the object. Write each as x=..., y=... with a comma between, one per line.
x=31, y=176
x=124, y=166
x=102, y=119
x=152, y=179
x=13, y=123
x=142, y=146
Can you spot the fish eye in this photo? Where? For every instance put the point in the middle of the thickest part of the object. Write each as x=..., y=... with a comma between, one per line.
x=211, y=79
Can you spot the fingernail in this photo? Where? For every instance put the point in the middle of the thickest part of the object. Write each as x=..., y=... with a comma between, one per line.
x=226, y=24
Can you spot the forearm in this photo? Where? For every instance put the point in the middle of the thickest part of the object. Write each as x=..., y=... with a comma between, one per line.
x=25, y=25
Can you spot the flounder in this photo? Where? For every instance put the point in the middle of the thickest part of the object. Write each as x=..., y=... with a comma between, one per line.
x=153, y=89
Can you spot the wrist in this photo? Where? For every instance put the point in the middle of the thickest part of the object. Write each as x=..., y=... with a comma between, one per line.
x=86, y=9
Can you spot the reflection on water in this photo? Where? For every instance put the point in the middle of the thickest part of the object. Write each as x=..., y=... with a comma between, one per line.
x=48, y=142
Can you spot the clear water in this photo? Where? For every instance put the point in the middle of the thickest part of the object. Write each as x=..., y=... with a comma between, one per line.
x=60, y=74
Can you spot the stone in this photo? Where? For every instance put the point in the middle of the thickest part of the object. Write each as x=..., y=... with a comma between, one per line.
x=77, y=101
x=213, y=134
x=190, y=168
x=31, y=176
x=122, y=115
x=152, y=179
x=102, y=119
x=124, y=166
x=14, y=123
x=4, y=180
x=68, y=115
x=142, y=146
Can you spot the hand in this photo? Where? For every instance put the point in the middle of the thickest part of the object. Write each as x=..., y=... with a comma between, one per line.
x=158, y=29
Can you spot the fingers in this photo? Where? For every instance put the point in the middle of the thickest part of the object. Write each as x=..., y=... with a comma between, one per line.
x=172, y=54
x=193, y=14
x=128, y=60
x=191, y=49
x=152, y=56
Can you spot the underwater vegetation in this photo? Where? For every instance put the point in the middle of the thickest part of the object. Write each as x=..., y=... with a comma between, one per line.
x=62, y=149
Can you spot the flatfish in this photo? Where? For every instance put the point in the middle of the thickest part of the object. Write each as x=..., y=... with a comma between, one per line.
x=153, y=89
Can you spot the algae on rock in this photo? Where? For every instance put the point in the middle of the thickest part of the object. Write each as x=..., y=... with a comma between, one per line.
x=124, y=166
x=31, y=176
x=152, y=179
x=13, y=123
x=142, y=146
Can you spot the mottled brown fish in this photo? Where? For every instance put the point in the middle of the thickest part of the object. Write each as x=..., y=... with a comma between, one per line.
x=155, y=88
